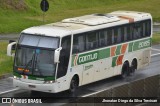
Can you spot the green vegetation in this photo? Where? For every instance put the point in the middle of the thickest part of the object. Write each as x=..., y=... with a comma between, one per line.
x=5, y=61
x=156, y=38
x=17, y=15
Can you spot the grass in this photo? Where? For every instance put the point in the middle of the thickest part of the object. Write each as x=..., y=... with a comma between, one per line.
x=15, y=20
x=156, y=38
x=6, y=62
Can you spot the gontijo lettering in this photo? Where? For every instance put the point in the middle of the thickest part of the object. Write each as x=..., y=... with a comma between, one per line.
x=87, y=58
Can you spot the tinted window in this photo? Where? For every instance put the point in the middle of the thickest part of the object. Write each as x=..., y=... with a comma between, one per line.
x=91, y=40
x=122, y=33
x=39, y=41
x=147, y=28
x=136, y=31
x=103, y=39
x=109, y=35
x=78, y=43
x=64, y=56
x=115, y=36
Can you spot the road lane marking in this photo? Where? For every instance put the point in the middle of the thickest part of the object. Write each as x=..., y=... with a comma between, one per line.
x=9, y=91
x=156, y=49
x=156, y=54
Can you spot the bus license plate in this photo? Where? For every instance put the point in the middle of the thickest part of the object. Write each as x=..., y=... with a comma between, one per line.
x=32, y=86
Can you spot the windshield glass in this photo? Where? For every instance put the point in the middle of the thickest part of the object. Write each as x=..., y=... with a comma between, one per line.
x=35, y=55
x=39, y=62
x=39, y=41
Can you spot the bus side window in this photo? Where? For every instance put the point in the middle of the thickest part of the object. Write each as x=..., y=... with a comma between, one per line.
x=109, y=36
x=136, y=31
x=64, y=56
x=122, y=33
x=78, y=43
x=129, y=32
x=115, y=36
x=125, y=34
x=119, y=35
x=91, y=40
x=103, y=38
x=147, y=28
x=141, y=31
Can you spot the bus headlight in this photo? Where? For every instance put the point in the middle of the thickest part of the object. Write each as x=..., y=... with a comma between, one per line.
x=49, y=82
x=15, y=77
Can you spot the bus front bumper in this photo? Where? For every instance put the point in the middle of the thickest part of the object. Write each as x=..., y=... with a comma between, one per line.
x=51, y=88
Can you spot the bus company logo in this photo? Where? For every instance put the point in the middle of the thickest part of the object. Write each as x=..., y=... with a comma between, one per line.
x=87, y=57
x=144, y=44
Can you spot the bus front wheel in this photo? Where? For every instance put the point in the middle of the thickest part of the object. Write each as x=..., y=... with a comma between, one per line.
x=73, y=85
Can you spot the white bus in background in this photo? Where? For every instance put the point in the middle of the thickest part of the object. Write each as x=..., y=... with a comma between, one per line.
x=81, y=50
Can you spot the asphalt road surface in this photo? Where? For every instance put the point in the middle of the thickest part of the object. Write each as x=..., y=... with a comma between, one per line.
x=152, y=69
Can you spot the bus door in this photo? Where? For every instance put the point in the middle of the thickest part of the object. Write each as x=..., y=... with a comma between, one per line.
x=64, y=60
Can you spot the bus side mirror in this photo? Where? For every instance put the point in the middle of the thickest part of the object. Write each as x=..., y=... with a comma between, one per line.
x=57, y=54
x=10, y=48
x=14, y=46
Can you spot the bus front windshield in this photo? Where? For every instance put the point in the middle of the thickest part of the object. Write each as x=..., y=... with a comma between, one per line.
x=35, y=60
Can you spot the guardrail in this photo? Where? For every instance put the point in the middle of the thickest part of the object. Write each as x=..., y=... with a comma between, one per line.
x=148, y=87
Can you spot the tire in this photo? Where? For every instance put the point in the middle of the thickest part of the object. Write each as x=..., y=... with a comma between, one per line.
x=133, y=67
x=125, y=70
x=73, y=85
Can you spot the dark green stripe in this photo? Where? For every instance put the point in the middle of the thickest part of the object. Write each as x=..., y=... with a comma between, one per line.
x=41, y=78
x=34, y=77
x=114, y=61
x=130, y=47
x=104, y=53
x=118, y=50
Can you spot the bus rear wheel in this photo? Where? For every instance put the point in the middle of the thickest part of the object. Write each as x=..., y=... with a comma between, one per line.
x=125, y=70
x=73, y=85
x=133, y=67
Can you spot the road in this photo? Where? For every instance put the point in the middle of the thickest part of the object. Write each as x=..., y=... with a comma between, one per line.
x=152, y=69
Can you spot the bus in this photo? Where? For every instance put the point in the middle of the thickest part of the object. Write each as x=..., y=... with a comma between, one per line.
x=77, y=51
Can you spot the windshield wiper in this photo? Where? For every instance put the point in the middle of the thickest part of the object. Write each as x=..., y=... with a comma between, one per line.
x=35, y=65
x=26, y=67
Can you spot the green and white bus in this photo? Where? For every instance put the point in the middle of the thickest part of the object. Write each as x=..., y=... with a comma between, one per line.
x=77, y=51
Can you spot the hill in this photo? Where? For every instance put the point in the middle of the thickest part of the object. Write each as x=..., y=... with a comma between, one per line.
x=16, y=15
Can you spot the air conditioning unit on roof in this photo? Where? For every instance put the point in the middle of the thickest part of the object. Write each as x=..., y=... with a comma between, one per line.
x=92, y=20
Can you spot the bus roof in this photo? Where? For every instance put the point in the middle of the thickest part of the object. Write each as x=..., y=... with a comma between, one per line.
x=87, y=23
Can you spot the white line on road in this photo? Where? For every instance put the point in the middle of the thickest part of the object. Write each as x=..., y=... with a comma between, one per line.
x=156, y=49
x=155, y=54
x=9, y=91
